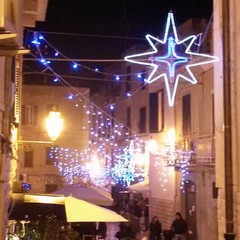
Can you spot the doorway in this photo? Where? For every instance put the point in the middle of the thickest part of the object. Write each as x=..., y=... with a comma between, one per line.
x=190, y=200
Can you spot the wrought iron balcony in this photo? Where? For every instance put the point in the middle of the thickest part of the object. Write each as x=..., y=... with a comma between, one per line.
x=197, y=151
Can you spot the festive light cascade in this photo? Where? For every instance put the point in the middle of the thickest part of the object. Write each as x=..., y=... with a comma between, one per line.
x=71, y=164
x=186, y=156
x=106, y=119
x=158, y=166
x=178, y=158
x=105, y=133
x=77, y=166
x=172, y=59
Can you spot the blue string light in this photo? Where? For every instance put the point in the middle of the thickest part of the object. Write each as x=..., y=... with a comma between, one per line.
x=74, y=65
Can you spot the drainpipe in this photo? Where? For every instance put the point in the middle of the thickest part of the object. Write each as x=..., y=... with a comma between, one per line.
x=229, y=234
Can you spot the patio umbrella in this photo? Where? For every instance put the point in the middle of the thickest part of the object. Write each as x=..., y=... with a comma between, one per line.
x=140, y=186
x=78, y=210
x=87, y=193
x=34, y=206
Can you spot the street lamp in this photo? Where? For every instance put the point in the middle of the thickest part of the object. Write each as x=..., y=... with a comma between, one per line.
x=54, y=125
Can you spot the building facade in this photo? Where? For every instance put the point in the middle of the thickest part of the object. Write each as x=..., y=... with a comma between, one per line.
x=226, y=91
x=13, y=16
x=187, y=183
x=37, y=167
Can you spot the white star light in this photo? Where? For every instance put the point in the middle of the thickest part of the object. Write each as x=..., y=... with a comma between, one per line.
x=171, y=59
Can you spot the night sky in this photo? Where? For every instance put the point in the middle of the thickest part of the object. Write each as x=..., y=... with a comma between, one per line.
x=106, y=27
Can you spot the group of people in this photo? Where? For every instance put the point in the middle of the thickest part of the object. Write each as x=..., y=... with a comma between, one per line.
x=178, y=228
x=133, y=213
x=134, y=209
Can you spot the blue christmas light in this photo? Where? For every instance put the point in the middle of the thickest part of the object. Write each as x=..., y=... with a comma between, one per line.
x=70, y=96
x=117, y=77
x=128, y=94
x=74, y=66
x=139, y=75
x=35, y=41
x=44, y=62
x=171, y=58
x=112, y=107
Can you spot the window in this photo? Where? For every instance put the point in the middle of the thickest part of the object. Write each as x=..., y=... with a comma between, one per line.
x=186, y=115
x=29, y=114
x=156, y=112
x=28, y=159
x=50, y=188
x=142, y=120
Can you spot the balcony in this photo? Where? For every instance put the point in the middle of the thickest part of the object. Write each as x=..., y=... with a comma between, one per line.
x=204, y=150
x=198, y=151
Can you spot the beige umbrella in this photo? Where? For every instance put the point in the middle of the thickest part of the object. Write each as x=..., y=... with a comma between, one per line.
x=78, y=210
x=87, y=193
x=141, y=186
x=32, y=206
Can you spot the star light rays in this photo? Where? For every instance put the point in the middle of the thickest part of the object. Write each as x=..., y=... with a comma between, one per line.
x=174, y=59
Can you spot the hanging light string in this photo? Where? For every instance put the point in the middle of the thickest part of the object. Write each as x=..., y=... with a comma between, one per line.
x=62, y=81
x=46, y=62
x=202, y=38
x=69, y=168
x=38, y=38
x=92, y=106
x=87, y=35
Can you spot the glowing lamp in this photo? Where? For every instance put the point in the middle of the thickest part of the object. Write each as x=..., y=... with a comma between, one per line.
x=54, y=125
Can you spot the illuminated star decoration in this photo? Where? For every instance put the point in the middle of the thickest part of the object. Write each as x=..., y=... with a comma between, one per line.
x=171, y=59
x=124, y=169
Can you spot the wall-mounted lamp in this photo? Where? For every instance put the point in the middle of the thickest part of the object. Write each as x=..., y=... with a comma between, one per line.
x=54, y=125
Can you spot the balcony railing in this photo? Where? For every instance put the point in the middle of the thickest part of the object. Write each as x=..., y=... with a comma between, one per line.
x=204, y=149
x=200, y=151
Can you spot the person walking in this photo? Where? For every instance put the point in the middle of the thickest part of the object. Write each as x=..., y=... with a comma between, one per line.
x=179, y=227
x=155, y=228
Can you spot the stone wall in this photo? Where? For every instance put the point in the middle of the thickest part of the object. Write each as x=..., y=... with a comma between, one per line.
x=164, y=209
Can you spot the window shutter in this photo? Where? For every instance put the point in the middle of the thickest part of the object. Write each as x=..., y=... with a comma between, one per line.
x=23, y=115
x=153, y=112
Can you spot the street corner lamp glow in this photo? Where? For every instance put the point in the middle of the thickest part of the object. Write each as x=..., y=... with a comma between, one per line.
x=54, y=125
